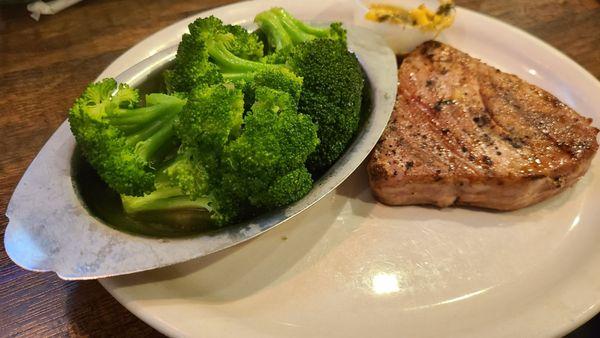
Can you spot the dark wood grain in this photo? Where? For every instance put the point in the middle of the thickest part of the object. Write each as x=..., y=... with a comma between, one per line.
x=44, y=65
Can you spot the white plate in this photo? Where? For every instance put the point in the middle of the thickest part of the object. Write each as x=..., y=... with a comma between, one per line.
x=350, y=267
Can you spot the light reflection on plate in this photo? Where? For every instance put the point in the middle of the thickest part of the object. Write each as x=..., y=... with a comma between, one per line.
x=384, y=282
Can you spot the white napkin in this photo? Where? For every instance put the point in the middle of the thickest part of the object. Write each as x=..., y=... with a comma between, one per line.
x=48, y=8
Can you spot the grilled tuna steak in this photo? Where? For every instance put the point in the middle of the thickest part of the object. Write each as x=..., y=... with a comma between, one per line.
x=465, y=133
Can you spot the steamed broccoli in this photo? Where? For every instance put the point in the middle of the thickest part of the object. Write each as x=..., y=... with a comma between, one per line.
x=121, y=141
x=288, y=188
x=276, y=141
x=213, y=52
x=332, y=96
x=261, y=168
x=240, y=132
x=212, y=115
x=192, y=67
x=332, y=79
x=167, y=197
x=243, y=44
x=283, y=31
x=190, y=181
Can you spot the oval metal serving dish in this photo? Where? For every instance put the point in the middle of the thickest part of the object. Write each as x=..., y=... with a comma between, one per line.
x=50, y=228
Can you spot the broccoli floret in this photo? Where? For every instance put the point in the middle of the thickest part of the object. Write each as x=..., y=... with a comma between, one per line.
x=276, y=141
x=185, y=183
x=283, y=31
x=166, y=197
x=289, y=188
x=121, y=141
x=189, y=171
x=332, y=96
x=213, y=52
x=243, y=44
x=281, y=79
x=191, y=67
x=232, y=67
x=211, y=116
x=332, y=79
x=234, y=177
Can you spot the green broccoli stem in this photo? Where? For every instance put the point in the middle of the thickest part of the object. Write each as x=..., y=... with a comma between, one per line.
x=299, y=31
x=164, y=198
x=276, y=33
x=134, y=120
x=158, y=107
x=149, y=128
x=231, y=66
x=157, y=142
x=283, y=30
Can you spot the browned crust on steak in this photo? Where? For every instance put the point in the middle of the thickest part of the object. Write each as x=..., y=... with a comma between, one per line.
x=465, y=133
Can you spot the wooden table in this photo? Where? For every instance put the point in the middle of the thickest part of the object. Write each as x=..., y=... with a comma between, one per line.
x=44, y=65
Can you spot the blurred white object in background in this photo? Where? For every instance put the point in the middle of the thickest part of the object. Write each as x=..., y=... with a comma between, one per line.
x=48, y=8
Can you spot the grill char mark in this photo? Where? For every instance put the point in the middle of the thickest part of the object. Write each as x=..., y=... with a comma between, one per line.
x=431, y=67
